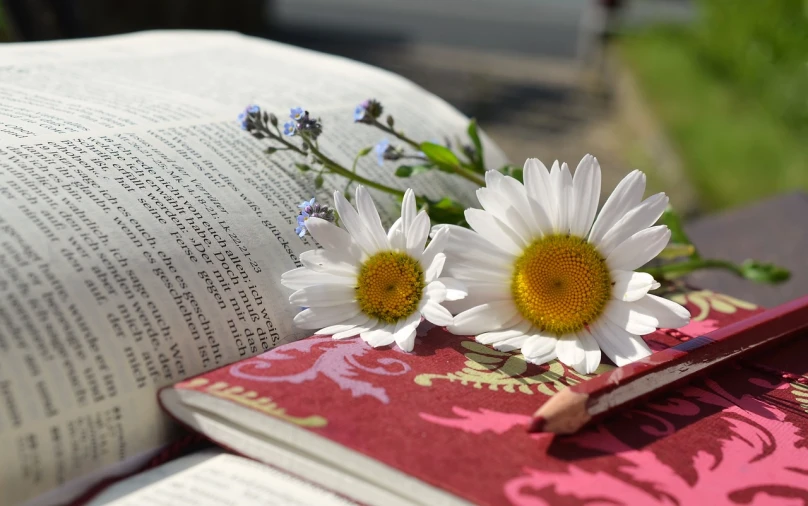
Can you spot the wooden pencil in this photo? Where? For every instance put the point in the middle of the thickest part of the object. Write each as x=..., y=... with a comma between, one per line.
x=574, y=407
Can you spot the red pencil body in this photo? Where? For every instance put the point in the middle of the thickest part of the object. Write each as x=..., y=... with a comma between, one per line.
x=665, y=369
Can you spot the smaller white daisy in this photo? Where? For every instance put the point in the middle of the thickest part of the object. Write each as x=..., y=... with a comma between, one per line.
x=370, y=283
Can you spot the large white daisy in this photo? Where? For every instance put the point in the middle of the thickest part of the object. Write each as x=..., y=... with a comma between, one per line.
x=542, y=278
x=370, y=283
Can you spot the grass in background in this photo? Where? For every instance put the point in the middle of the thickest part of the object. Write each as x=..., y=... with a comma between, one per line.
x=737, y=145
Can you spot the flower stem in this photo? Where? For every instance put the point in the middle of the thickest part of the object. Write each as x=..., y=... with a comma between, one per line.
x=342, y=171
x=459, y=170
x=467, y=174
x=332, y=165
x=399, y=135
x=681, y=268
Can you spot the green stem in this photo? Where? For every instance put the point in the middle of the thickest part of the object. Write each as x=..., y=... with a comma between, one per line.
x=460, y=171
x=467, y=174
x=337, y=168
x=680, y=269
x=353, y=171
x=342, y=171
x=398, y=135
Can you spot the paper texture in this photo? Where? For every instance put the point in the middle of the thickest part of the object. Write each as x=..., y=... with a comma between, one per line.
x=230, y=480
x=142, y=234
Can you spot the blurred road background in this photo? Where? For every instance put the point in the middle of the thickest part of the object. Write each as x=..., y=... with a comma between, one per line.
x=526, y=69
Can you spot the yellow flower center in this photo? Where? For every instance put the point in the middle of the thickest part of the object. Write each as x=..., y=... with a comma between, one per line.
x=561, y=283
x=390, y=286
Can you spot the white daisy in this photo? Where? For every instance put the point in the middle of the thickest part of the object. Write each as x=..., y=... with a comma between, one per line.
x=370, y=283
x=542, y=278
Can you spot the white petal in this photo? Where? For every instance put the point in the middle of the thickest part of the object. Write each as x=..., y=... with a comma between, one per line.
x=494, y=231
x=462, y=240
x=639, y=249
x=478, y=294
x=434, y=291
x=625, y=196
x=435, y=268
x=626, y=316
x=499, y=205
x=586, y=187
x=540, y=189
x=455, y=289
x=369, y=215
x=329, y=261
x=482, y=259
x=417, y=234
x=331, y=237
x=480, y=270
x=470, y=275
x=352, y=323
x=512, y=343
x=537, y=180
x=539, y=349
x=579, y=351
x=541, y=217
x=318, y=317
x=496, y=336
x=396, y=235
x=358, y=329
x=639, y=218
x=483, y=318
x=565, y=204
x=516, y=194
x=323, y=296
x=493, y=178
x=669, y=314
x=405, y=338
x=436, y=245
x=630, y=286
x=405, y=331
x=303, y=277
x=382, y=336
x=354, y=224
x=437, y=314
x=408, y=209
x=619, y=345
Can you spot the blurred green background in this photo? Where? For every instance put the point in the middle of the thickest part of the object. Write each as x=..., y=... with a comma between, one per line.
x=731, y=90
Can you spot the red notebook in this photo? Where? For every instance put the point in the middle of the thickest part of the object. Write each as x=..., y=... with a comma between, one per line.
x=446, y=424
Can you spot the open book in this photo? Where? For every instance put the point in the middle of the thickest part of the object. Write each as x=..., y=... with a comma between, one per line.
x=143, y=234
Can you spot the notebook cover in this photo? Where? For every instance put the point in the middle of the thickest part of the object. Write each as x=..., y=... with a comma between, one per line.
x=453, y=414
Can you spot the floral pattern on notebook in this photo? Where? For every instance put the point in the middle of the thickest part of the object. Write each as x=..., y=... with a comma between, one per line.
x=453, y=414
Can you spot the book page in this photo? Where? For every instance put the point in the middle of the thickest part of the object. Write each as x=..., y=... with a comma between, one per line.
x=142, y=233
x=230, y=480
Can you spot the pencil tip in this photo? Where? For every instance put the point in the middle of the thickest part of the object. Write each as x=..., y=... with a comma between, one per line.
x=537, y=424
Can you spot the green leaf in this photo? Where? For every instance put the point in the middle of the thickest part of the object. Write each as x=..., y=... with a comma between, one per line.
x=364, y=151
x=270, y=151
x=478, y=145
x=302, y=167
x=390, y=121
x=674, y=222
x=411, y=170
x=676, y=250
x=447, y=211
x=318, y=181
x=442, y=156
x=764, y=272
